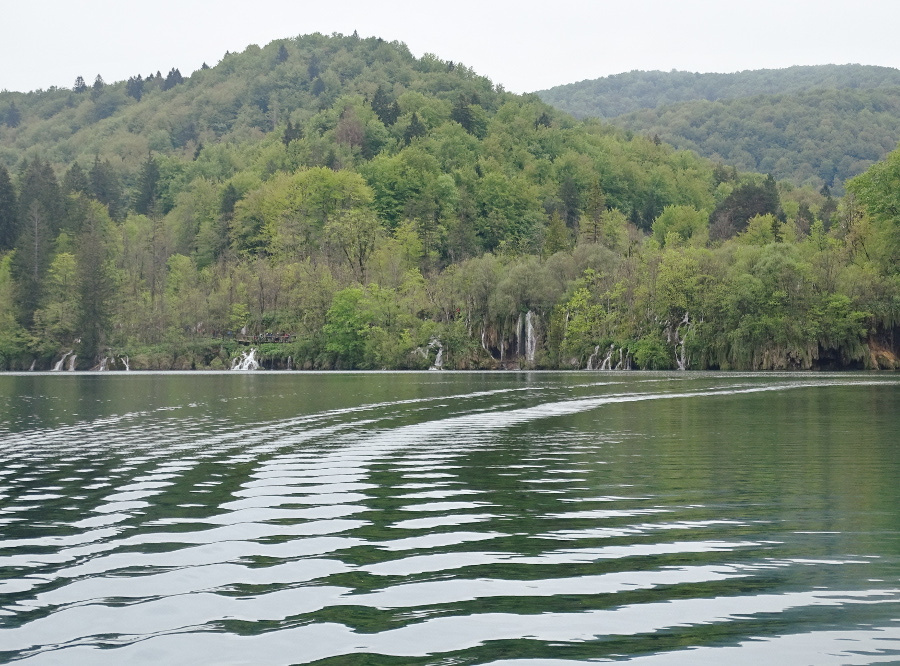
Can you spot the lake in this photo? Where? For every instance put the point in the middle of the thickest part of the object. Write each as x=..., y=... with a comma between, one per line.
x=514, y=518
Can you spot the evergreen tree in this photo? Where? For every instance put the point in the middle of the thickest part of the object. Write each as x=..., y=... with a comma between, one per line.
x=80, y=86
x=12, y=117
x=282, y=54
x=415, y=128
x=76, y=181
x=105, y=187
x=173, y=78
x=9, y=213
x=97, y=88
x=291, y=133
x=38, y=183
x=31, y=260
x=314, y=69
x=135, y=87
x=146, y=200
x=204, y=66
x=384, y=107
x=462, y=113
x=96, y=285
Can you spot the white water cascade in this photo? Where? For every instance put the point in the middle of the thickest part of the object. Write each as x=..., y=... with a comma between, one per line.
x=125, y=361
x=530, y=337
x=104, y=364
x=71, y=367
x=58, y=366
x=439, y=359
x=246, y=361
x=33, y=361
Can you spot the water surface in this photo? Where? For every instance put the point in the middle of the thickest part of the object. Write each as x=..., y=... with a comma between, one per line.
x=449, y=518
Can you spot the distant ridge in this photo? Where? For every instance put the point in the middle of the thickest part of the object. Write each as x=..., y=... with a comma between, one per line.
x=630, y=91
x=816, y=125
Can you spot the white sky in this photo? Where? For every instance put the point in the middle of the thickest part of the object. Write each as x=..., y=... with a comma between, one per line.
x=526, y=45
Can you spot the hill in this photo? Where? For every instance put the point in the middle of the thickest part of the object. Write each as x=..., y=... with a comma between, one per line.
x=619, y=94
x=820, y=137
x=335, y=202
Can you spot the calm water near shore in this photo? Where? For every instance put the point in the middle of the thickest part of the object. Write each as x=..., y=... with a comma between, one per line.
x=449, y=518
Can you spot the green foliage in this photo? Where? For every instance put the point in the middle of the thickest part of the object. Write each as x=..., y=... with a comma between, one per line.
x=379, y=207
x=816, y=125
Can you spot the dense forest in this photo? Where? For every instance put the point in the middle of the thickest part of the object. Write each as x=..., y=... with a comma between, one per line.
x=336, y=202
x=619, y=94
x=809, y=125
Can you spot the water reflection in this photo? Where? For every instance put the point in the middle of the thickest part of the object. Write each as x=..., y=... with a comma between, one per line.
x=450, y=518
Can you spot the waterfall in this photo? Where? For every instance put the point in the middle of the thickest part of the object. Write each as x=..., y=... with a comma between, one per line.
x=125, y=360
x=33, y=361
x=104, y=362
x=607, y=361
x=246, y=361
x=71, y=367
x=592, y=357
x=439, y=359
x=290, y=362
x=530, y=338
x=59, y=364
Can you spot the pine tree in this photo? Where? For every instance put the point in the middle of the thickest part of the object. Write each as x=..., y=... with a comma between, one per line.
x=97, y=88
x=414, y=129
x=13, y=116
x=135, y=87
x=80, y=86
x=146, y=201
x=173, y=78
x=75, y=181
x=105, y=187
x=282, y=54
x=96, y=285
x=9, y=212
x=37, y=183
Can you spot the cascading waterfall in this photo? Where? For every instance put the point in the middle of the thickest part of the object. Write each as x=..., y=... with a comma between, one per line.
x=530, y=337
x=104, y=363
x=71, y=367
x=439, y=359
x=246, y=361
x=125, y=361
x=33, y=361
x=58, y=366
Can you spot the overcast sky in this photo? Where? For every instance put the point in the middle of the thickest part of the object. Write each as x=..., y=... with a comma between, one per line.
x=527, y=45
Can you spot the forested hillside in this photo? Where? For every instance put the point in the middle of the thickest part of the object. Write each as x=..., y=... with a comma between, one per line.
x=820, y=137
x=333, y=202
x=619, y=94
x=809, y=125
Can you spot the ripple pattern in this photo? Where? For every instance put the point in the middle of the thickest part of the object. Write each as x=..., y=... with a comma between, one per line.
x=452, y=519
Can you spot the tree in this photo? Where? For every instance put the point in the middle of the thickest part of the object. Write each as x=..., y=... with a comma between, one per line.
x=12, y=117
x=173, y=78
x=282, y=54
x=416, y=128
x=746, y=201
x=384, y=107
x=80, y=86
x=96, y=285
x=31, y=260
x=354, y=233
x=148, y=188
x=134, y=87
x=105, y=186
x=97, y=88
x=76, y=180
x=9, y=212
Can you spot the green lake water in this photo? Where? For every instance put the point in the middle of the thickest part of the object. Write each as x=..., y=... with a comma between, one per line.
x=449, y=518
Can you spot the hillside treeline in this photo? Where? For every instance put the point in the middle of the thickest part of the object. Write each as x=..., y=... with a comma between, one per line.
x=393, y=212
x=619, y=94
x=821, y=137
